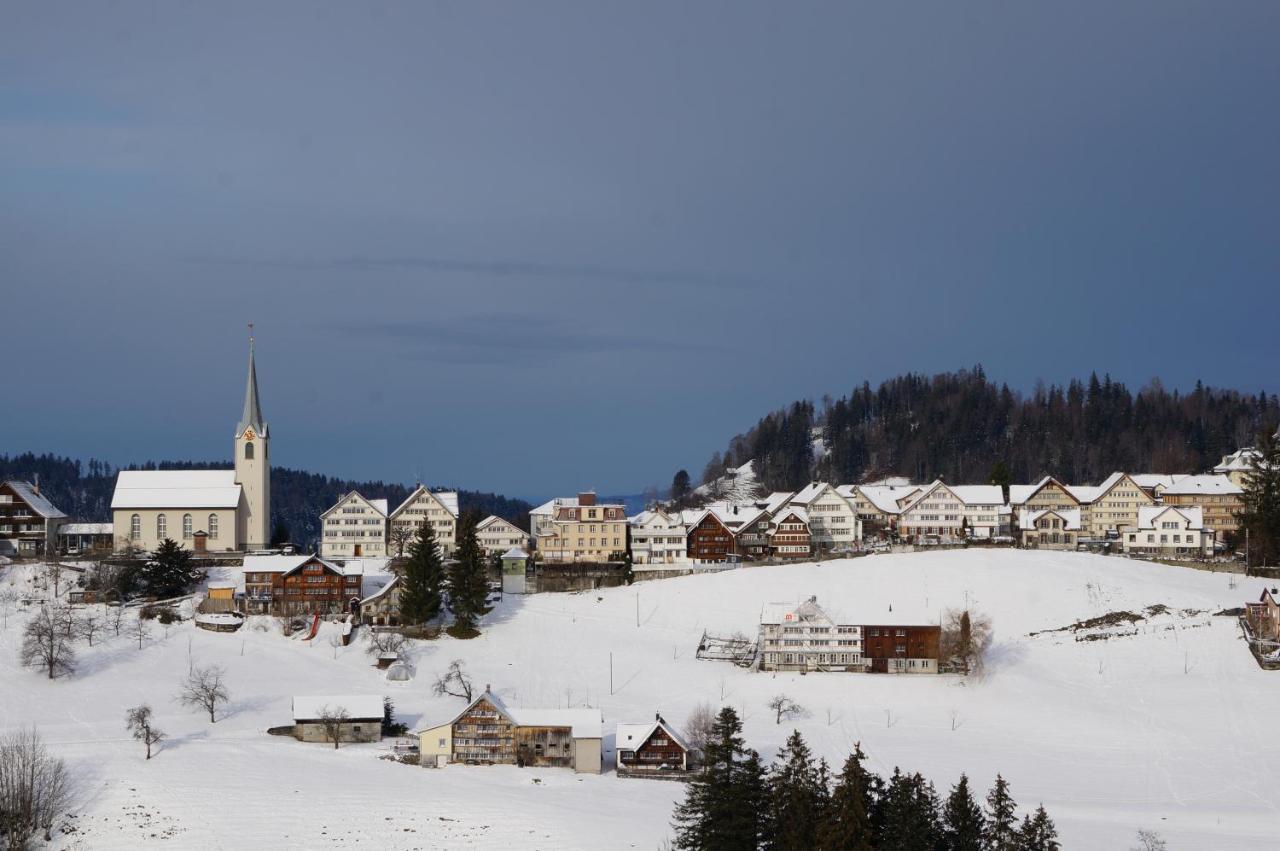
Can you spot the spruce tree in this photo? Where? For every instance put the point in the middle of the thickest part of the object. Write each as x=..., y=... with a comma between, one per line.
x=422, y=581
x=1002, y=823
x=847, y=824
x=963, y=823
x=798, y=798
x=724, y=805
x=169, y=572
x=468, y=585
x=1039, y=833
x=1261, y=515
x=680, y=489
x=910, y=815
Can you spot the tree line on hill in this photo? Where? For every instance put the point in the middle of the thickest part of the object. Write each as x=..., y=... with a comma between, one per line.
x=83, y=491
x=960, y=425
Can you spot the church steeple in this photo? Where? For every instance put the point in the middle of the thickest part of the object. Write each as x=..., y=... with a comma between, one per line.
x=252, y=416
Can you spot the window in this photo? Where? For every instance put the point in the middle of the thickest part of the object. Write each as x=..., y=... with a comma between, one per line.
x=162, y=527
x=248, y=455
x=135, y=527
x=186, y=526
x=213, y=526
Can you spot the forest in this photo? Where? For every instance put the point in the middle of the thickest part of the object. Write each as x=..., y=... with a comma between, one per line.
x=959, y=425
x=83, y=491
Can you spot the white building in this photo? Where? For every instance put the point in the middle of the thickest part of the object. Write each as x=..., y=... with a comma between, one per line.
x=949, y=512
x=658, y=538
x=496, y=536
x=541, y=518
x=1169, y=531
x=354, y=527
x=439, y=508
x=803, y=637
x=1050, y=528
x=833, y=518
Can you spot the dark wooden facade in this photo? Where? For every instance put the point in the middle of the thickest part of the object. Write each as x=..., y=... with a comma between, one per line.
x=790, y=538
x=710, y=540
x=26, y=529
x=313, y=587
x=659, y=752
x=484, y=735
x=892, y=647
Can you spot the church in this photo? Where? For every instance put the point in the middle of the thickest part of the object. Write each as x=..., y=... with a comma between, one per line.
x=203, y=510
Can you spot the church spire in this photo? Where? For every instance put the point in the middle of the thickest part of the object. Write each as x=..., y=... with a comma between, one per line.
x=252, y=416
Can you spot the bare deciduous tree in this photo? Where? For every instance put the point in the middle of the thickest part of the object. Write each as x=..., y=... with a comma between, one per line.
x=1150, y=840
x=52, y=575
x=385, y=644
x=34, y=788
x=206, y=688
x=8, y=602
x=966, y=638
x=784, y=707
x=89, y=625
x=698, y=728
x=117, y=618
x=46, y=645
x=139, y=629
x=138, y=721
x=331, y=719
x=400, y=536
x=454, y=682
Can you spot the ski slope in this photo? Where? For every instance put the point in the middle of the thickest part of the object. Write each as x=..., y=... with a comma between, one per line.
x=1167, y=724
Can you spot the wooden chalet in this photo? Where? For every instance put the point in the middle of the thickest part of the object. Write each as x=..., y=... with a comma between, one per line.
x=652, y=748
x=299, y=585
x=901, y=648
x=710, y=539
x=789, y=537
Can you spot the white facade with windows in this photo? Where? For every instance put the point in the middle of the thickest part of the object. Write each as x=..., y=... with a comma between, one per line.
x=1169, y=531
x=439, y=508
x=658, y=538
x=834, y=525
x=803, y=637
x=496, y=536
x=354, y=527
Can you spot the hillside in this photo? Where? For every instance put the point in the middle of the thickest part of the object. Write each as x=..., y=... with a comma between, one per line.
x=1164, y=724
x=83, y=491
x=959, y=425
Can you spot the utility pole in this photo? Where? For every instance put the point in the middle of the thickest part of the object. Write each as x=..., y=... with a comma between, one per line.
x=611, y=673
x=637, y=610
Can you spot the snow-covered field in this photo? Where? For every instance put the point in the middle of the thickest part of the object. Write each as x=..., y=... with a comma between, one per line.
x=1167, y=725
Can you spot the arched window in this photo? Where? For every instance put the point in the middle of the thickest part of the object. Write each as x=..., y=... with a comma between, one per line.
x=248, y=451
x=186, y=526
x=162, y=527
x=213, y=526
x=135, y=527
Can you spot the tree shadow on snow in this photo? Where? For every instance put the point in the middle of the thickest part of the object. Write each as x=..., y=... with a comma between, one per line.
x=1004, y=654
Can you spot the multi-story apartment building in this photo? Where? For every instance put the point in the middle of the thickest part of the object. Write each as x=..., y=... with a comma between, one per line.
x=1113, y=506
x=1220, y=500
x=586, y=531
x=833, y=518
x=541, y=518
x=28, y=521
x=953, y=511
x=803, y=637
x=1048, y=493
x=1169, y=531
x=658, y=538
x=354, y=527
x=439, y=508
x=496, y=536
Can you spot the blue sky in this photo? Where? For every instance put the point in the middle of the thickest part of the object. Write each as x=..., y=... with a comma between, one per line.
x=540, y=247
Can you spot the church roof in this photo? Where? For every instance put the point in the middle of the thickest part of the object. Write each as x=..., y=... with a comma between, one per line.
x=176, y=489
x=252, y=416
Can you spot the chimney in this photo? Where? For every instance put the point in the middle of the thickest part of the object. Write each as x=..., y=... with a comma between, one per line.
x=487, y=687
x=588, y=498
x=35, y=486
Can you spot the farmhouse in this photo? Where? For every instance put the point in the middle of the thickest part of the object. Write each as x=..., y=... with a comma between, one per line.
x=28, y=521
x=354, y=527
x=439, y=508
x=789, y=536
x=314, y=718
x=901, y=648
x=488, y=732
x=833, y=518
x=650, y=748
x=803, y=637
x=657, y=538
x=299, y=585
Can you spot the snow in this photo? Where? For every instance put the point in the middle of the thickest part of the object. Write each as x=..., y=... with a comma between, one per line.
x=176, y=489
x=1148, y=514
x=1070, y=517
x=35, y=500
x=1203, y=485
x=358, y=706
x=1167, y=724
x=85, y=529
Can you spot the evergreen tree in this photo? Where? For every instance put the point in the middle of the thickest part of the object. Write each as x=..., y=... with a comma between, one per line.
x=963, y=823
x=421, y=583
x=169, y=572
x=1002, y=818
x=848, y=817
x=680, y=489
x=798, y=798
x=1039, y=833
x=1261, y=515
x=468, y=584
x=279, y=533
x=1001, y=476
x=724, y=806
x=911, y=818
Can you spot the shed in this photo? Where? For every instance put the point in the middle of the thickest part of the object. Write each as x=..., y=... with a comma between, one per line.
x=363, y=722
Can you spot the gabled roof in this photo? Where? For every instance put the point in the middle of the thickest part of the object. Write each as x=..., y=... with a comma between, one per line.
x=792, y=511
x=1194, y=485
x=801, y=612
x=381, y=592
x=583, y=723
x=176, y=489
x=979, y=494
x=810, y=492
x=379, y=505
x=632, y=737
x=1070, y=517
x=883, y=497
x=515, y=552
x=1150, y=481
x=775, y=501
x=447, y=499
x=36, y=501
x=288, y=564
x=1149, y=515
x=360, y=707
x=549, y=507
x=494, y=520
x=1021, y=494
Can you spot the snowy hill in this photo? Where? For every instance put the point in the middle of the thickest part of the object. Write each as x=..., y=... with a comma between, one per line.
x=1165, y=724
x=738, y=484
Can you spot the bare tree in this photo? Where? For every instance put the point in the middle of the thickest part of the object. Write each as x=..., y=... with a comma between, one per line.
x=784, y=707
x=52, y=575
x=205, y=687
x=332, y=719
x=69, y=621
x=697, y=730
x=138, y=721
x=965, y=640
x=8, y=602
x=34, y=787
x=1150, y=840
x=385, y=644
x=89, y=625
x=454, y=682
x=335, y=641
x=46, y=645
x=139, y=629
x=400, y=536
x=117, y=618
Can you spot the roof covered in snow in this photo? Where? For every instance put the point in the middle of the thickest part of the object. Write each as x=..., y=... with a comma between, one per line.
x=1070, y=517
x=583, y=723
x=1149, y=515
x=360, y=707
x=37, y=501
x=979, y=494
x=85, y=529
x=628, y=737
x=176, y=489
x=1150, y=481
x=883, y=497
x=1213, y=484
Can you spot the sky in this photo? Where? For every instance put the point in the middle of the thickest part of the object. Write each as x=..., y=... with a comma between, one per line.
x=541, y=247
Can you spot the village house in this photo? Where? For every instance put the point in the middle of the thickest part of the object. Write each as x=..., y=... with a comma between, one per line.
x=361, y=719
x=586, y=531
x=1154, y=484
x=28, y=521
x=652, y=748
x=1048, y=493
x=658, y=538
x=1263, y=616
x=354, y=527
x=541, y=518
x=496, y=536
x=439, y=508
x=803, y=637
x=953, y=512
x=299, y=585
x=82, y=538
x=382, y=607
x=1050, y=528
x=901, y=648
x=833, y=518
x=879, y=506
x=1170, y=531
x=789, y=536
x=1114, y=505
x=709, y=539
x=1220, y=500
x=488, y=732
x=752, y=530
x=1239, y=464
